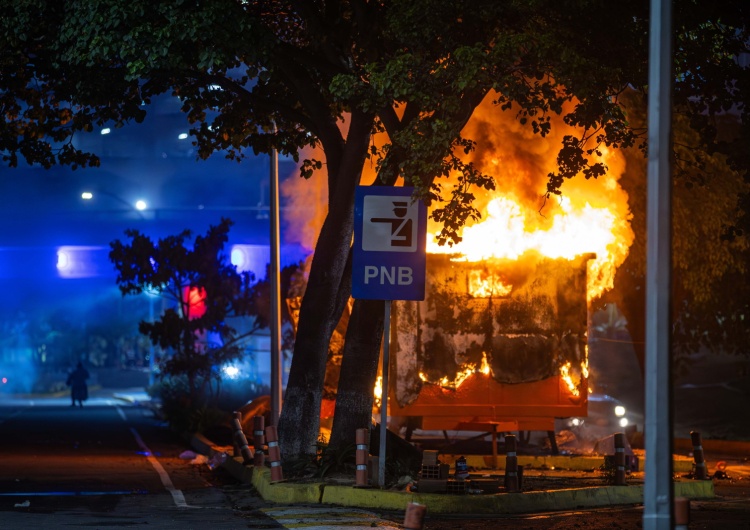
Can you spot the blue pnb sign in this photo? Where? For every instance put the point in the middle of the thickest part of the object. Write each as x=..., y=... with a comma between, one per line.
x=388, y=261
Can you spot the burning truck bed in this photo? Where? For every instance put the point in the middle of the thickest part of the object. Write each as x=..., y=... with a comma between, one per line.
x=497, y=345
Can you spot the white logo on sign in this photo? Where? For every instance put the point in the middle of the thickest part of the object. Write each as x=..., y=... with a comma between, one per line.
x=389, y=224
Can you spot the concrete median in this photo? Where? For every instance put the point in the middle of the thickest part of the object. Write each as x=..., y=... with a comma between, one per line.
x=510, y=503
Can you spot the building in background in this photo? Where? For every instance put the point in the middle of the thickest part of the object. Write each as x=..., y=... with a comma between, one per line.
x=60, y=301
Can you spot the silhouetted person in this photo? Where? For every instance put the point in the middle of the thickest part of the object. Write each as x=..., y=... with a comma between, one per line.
x=79, y=391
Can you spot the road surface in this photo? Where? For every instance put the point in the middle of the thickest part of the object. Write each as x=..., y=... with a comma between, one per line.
x=111, y=465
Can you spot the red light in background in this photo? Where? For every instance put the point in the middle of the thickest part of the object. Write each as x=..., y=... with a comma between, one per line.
x=196, y=301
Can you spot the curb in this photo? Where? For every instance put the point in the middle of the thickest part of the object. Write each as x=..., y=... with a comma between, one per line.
x=373, y=498
x=57, y=393
x=680, y=464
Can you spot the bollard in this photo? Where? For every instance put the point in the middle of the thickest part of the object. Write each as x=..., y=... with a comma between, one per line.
x=619, y=459
x=701, y=473
x=235, y=443
x=511, y=464
x=681, y=513
x=240, y=439
x=363, y=458
x=259, y=440
x=414, y=517
x=274, y=454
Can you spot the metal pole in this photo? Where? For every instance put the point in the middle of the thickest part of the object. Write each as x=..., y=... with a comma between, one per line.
x=151, y=344
x=275, y=281
x=658, y=490
x=384, y=393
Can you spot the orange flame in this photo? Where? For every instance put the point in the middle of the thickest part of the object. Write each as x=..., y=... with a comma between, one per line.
x=378, y=390
x=483, y=284
x=469, y=369
x=572, y=232
x=567, y=376
x=591, y=216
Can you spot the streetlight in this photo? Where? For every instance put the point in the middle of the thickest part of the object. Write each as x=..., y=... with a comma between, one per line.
x=138, y=206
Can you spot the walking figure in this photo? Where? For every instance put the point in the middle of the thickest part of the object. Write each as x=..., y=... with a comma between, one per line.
x=79, y=391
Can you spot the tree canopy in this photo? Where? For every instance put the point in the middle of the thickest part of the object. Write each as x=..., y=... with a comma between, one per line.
x=206, y=291
x=261, y=75
x=711, y=249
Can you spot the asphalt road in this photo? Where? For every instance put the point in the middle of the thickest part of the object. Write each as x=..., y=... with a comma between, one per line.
x=109, y=464
x=112, y=465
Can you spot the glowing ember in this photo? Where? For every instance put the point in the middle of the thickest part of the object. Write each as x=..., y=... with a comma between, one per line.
x=470, y=368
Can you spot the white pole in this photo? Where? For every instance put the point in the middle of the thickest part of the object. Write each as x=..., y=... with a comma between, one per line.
x=658, y=492
x=274, y=272
x=151, y=344
x=384, y=393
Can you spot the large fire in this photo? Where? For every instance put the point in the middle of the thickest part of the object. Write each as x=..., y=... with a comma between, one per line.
x=572, y=232
x=591, y=217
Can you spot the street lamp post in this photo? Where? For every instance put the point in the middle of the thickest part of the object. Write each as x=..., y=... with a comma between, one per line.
x=275, y=280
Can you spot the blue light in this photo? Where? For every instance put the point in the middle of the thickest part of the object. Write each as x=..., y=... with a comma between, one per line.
x=238, y=258
x=231, y=372
x=63, y=261
x=251, y=258
x=82, y=261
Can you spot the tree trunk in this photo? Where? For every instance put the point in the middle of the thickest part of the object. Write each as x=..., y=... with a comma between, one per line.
x=359, y=368
x=328, y=290
x=320, y=311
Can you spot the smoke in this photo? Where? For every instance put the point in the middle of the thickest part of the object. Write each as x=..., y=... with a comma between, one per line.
x=17, y=372
x=519, y=161
x=306, y=202
x=307, y=199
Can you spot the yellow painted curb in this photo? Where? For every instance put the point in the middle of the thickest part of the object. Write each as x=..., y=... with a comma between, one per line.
x=572, y=462
x=367, y=497
x=535, y=501
x=286, y=492
x=508, y=503
x=529, y=502
x=695, y=489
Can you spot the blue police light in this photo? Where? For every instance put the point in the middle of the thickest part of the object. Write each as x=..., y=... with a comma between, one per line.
x=82, y=261
x=238, y=258
x=64, y=261
x=251, y=258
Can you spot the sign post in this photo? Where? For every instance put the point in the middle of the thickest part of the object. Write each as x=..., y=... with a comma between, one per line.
x=388, y=263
